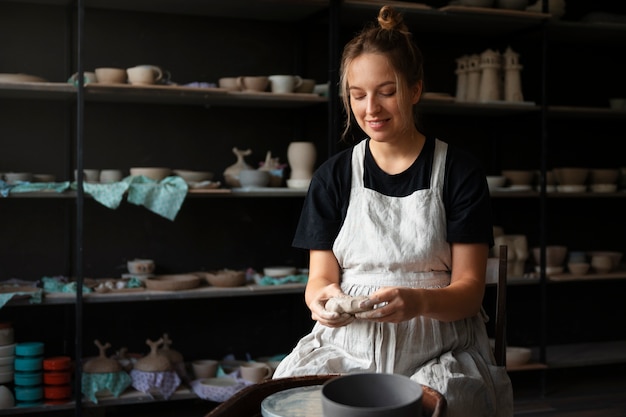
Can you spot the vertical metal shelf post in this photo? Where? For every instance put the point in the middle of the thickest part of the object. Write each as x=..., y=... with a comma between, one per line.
x=80, y=200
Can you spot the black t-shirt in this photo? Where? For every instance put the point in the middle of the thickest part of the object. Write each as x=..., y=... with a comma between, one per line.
x=465, y=195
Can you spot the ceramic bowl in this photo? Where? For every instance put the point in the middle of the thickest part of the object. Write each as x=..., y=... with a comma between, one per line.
x=20, y=78
x=603, y=188
x=57, y=378
x=7, y=360
x=371, y=395
x=615, y=257
x=29, y=349
x=254, y=178
x=6, y=377
x=194, y=176
x=279, y=271
x=7, y=400
x=555, y=255
x=571, y=175
x=517, y=356
x=603, y=176
x=7, y=350
x=518, y=177
x=28, y=364
x=578, y=268
x=601, y=263
x=28, y=379
x=154, y=173
x=225, y=278
x=172, y=282
x=15, y=177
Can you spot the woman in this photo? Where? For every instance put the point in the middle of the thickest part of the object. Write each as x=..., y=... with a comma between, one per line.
x=405, y=220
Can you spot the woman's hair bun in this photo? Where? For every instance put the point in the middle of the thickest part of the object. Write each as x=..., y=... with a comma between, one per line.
x=389, y=19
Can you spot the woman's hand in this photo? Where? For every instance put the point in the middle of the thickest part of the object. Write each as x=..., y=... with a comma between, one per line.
x=392, y=305
x=322, y=285
x=323, y=316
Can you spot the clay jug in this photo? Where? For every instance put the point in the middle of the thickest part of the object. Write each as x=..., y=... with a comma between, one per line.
x=301, y=157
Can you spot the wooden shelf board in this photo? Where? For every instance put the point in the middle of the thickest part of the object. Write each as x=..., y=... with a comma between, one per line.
x=586, y=354
x=151, y=295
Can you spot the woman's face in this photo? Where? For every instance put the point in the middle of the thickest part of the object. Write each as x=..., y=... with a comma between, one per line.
x=374, y=98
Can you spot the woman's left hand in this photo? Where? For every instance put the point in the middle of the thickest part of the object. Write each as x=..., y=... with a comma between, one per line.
x=392, y=305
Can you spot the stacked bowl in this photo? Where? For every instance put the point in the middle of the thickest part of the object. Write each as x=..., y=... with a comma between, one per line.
x=28, y=374
x=7, y=360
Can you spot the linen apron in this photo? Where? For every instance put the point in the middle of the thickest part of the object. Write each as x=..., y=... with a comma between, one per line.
x=401, y=241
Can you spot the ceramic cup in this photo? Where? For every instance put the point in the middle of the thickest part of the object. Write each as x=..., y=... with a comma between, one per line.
x=107, y=75
x=284, y=83
x=89, y=175
x=253, y=83
x=204, y=368
x=141, y=266
x=255, y=371
x=229, y=83
x=110, y=175
x=144, y=74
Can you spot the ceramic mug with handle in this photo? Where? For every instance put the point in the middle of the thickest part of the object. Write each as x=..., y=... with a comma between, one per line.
x=144, y=74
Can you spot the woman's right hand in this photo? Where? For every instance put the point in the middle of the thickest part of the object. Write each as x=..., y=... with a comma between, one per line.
x=323, y=316
x=322, y=285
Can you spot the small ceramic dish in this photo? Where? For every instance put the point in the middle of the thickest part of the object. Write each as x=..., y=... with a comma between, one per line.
x=57, y=363
x=57, y=378
x=7, y=350
x=193, y=176
x=6, y=377
x=28, y=364
x=279, y=271
x=28, y=393
x=6, y=360
x=28, y=379
x=578, y=268
x=225, y=278
x=172, y=282
x=29, y=349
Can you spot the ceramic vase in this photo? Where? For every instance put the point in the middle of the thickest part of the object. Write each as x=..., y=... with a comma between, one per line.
x=301, y=157
x=231, y=174
x=473, y=78
x=490, y=66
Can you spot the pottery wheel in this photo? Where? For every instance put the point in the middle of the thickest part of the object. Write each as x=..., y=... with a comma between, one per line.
x=294, y=402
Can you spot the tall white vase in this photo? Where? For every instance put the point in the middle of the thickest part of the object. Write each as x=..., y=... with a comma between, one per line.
x=301, y=157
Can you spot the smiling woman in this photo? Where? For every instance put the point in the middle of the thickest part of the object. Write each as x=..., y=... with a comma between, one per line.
x=381, y=228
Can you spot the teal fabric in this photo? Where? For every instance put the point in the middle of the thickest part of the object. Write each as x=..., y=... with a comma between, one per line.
x=164, y=198
x=302, y=278
x=29, y=187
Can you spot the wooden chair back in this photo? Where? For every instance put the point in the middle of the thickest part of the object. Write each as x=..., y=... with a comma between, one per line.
x=497, y=274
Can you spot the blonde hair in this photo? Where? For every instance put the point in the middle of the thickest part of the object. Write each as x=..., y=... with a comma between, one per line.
x=392, y=38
